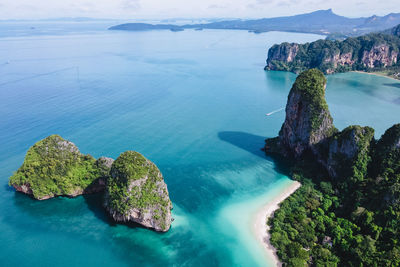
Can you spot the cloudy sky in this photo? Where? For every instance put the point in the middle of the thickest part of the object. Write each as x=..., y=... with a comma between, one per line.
x=159, y=9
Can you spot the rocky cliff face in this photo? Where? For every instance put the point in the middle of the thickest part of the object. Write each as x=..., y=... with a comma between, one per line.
x=366, y=53
x=386, y=166
x=379, y=56
x=55, y=167
x=308, y=127
x=308, y=120
x=346, y=149
x=387, y=150
x=136, y=192
x=284, y=54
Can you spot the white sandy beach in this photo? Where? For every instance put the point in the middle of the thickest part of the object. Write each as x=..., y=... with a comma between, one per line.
x=261, y=229
x=376, y=74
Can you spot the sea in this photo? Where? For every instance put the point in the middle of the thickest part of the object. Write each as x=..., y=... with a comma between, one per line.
x=193, y=102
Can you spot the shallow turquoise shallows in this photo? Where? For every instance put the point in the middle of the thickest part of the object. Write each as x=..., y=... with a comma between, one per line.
x=194, y=102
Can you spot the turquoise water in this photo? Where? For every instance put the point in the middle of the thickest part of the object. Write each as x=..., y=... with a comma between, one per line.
x=192, y=102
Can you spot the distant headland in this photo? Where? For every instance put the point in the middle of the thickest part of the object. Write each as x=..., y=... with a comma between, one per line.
x=374, y=52
x=319, y=22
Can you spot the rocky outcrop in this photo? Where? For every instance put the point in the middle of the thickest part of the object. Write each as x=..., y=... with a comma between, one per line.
x=136, y=192
x=386, y=165
x=308, y=121
x=337, y=60
x=308, y=132
x=387, y=151
x=379, y=56
x=55, y=167
x=280, y=55
x=364, y=53
x=346, y=149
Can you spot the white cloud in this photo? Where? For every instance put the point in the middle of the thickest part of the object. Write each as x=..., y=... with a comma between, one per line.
x=131, y=4
x=188, y=8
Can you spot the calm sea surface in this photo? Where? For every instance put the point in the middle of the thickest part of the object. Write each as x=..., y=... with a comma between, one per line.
x=193, y=102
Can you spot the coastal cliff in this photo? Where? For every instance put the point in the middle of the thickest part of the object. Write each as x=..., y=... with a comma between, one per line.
x=136, y=192
x=308, y=131
x=386, y=166
x=372, y=52
x=308, y=120
x=347, y=211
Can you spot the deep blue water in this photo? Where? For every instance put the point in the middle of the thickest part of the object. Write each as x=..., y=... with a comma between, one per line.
x=192, y=102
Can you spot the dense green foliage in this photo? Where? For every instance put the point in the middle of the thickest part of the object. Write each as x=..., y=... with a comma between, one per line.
x=349, y=221
x=134, y=184
x=54, y=166
x=353, y=161
x=324, y=54
x=311, y=86
x=347, y=212
x=386, y=166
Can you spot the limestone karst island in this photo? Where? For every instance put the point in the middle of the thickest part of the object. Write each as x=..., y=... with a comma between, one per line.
x=200, y=133
x=134, y=189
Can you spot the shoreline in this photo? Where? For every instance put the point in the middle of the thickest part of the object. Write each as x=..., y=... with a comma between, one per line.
x=376, y=74
x=260, y=227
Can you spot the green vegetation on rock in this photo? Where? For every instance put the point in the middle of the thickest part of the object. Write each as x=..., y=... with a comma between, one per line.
x=371, y=52
x=55, y=167
x=349, y=152
x=308, y=120
x=134, y=187
x=347, y=211
x=311, y=86
x=136, y=190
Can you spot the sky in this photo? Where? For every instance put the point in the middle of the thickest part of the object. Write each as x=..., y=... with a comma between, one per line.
x=162, y=9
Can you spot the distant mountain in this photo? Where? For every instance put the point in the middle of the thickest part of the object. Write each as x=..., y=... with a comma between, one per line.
x=384, y=22
x=320, y=22
x=394, y=31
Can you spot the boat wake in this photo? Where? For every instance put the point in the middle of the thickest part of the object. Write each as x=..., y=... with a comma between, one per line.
x=273, y=112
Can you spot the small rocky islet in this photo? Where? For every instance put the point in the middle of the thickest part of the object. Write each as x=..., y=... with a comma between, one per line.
x=136, y=192
x=134, y=188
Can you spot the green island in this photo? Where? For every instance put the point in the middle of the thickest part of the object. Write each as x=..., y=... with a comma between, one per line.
x=136, y=192
x=347, y=211
x=374, y=52
x=55, y=167
x=134, y=187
